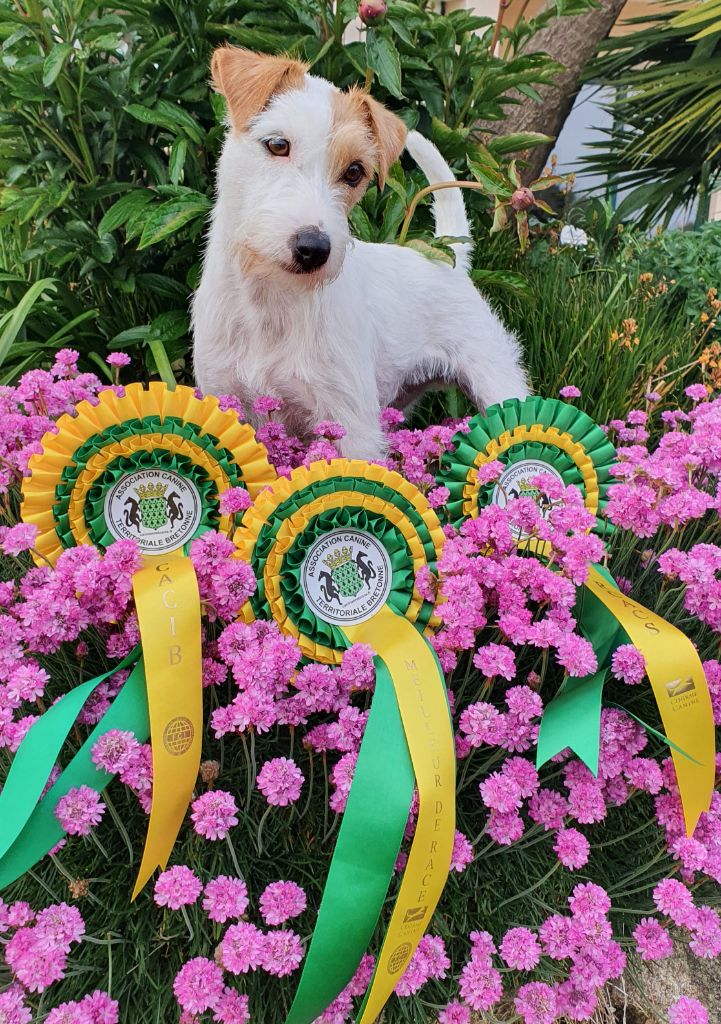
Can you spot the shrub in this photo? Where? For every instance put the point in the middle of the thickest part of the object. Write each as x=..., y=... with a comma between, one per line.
x=109, y=134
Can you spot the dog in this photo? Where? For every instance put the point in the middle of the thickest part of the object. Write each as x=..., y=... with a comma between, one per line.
x=290, y=305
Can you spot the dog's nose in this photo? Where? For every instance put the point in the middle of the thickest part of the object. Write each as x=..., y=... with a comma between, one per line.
x=311, y=249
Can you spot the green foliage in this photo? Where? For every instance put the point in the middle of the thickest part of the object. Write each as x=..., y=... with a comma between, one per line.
x=109, y=134
x=665, y=142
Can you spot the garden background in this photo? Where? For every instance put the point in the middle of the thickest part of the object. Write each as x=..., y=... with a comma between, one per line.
x=109, y=134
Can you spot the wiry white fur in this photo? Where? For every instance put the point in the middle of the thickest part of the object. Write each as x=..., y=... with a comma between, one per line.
x=343, y=342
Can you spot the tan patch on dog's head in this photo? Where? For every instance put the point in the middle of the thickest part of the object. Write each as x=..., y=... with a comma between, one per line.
x=249, y=80
x=364, y=132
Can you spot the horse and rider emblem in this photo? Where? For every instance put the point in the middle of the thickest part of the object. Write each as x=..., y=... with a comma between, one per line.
x=158, y=509
x=346, y=576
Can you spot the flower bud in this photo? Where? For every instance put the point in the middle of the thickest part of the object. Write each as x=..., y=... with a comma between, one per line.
x=522, y=199
x=372, y=12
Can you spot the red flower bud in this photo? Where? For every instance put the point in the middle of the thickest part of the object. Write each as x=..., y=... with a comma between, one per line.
x=522, y=199
x=371, y=12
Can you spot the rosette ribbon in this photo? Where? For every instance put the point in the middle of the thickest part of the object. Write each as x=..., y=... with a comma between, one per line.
x=335, y=549
x=148, y=466
x=549, y=436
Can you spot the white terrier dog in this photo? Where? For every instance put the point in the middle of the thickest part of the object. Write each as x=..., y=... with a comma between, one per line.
x=291, y=305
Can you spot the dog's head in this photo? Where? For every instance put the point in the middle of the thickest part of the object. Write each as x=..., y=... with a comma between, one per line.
x=298, y=155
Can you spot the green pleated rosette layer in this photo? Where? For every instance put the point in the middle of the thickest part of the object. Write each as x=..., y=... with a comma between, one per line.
x=528, y=437
x=175, y=433
x=287, y=520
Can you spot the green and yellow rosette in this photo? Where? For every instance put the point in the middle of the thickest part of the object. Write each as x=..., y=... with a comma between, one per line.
x=150, y=466
x=549, y=436
x=335, y=549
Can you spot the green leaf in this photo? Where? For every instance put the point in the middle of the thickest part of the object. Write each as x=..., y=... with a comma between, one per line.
x=12, y=322
x=162, y=363
x=452, y=142
x=170, y=217
x=502, y=144
x=503, y=280
x=440, y=255
x=176, y=163
x=124, y=208
x=384, y=59
x=53, y=63
x=492, y=180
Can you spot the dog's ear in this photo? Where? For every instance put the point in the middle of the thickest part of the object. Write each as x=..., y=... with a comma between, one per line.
x=388, y=131
x=248, y=80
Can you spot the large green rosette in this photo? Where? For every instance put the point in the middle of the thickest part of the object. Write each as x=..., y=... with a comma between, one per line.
x=283, y=523
x=342, y=535
x=143, y=464
x=528, y=437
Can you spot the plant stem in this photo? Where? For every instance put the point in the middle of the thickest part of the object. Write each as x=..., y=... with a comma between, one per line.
x=427, y=191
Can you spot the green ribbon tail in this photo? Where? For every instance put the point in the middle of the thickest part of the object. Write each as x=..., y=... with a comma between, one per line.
x=364, y=857
x=42, y=830
x=573, y=718
x=35, y=757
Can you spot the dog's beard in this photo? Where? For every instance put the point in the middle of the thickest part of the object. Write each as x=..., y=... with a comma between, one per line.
x=266, y=268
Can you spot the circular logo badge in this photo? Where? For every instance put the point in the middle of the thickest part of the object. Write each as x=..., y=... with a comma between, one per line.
x=158, y=509
x=398, y=958
x=346, y=576
x=515, y=482
x=178, y=735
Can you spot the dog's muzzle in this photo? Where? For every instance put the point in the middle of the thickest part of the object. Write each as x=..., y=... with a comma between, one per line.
x=311, y=249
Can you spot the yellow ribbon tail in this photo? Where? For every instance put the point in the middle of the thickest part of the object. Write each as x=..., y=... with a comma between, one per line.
x=421, y=696
x=681, y=691
x=168, y=607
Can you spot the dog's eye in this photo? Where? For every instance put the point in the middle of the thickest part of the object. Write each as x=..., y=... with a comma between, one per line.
x=354, y=174
x=277, y=147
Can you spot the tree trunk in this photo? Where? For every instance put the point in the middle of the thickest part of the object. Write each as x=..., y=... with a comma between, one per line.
x=572, y=41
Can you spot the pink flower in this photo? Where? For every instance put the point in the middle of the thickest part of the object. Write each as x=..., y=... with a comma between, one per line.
x=177, y=887
x=652, y=940
x=520, y=949
x=687, y=1010
x=13, y=1009
x=19, y=538
x=234, y=500
x=536, y=1003
x=69, y=1013
x=232, y=1008
x=118, y=359
x=570, y=391
x=628, y=664
x=281, y=901
x=102, y=1009
x=496, y=660
x=198, y=985
x=455, y=1013
x=266, y=404
x=242, y=948
x=225, y=899
x=114, y=750
x=280, y=781
x=462, y=852
x=696, y=392
x=282, y=952
x=214, y=814
x=674, y=899
x=438, y=497
x=79, y=811
x=572, y=848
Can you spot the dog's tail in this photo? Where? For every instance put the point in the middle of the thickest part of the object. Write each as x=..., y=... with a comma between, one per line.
x=449, y=209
